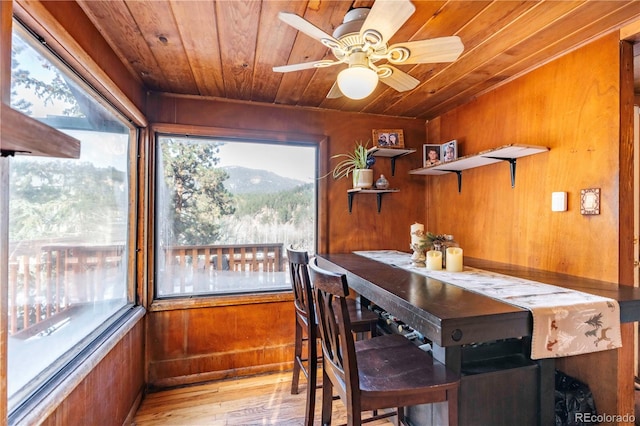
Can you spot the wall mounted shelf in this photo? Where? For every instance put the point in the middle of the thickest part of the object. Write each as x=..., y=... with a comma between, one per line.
x=392, y=153
x=504, y=153
x=378, y=192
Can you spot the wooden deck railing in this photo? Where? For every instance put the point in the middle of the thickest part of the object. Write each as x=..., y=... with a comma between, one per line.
x=48, y=281
x=233, y=257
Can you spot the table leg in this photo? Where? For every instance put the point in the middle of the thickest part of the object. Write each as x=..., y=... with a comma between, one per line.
x=546, y=388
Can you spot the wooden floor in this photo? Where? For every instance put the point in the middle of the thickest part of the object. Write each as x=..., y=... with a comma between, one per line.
x=259, y=400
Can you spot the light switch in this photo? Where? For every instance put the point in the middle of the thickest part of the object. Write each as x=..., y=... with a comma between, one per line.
x=559, y=202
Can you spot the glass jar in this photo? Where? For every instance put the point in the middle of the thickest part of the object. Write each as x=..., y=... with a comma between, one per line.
x=437, y=246
x=382, y=183
x=448, y=242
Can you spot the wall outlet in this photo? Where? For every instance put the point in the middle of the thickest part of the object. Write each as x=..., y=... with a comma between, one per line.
x=558, y=201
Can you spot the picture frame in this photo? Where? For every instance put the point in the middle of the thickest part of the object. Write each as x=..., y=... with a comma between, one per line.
x=449, y=151
x=434, y=160
x=590, y=201
x=388, y=138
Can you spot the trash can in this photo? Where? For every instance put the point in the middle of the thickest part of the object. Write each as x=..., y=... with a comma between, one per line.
x=574, y=403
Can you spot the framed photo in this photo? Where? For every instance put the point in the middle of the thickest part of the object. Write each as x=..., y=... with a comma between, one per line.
x=449, y=151
x=388, y=138
x=430, y=155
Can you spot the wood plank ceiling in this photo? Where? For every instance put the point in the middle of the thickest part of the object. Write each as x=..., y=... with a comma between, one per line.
x=226, y=49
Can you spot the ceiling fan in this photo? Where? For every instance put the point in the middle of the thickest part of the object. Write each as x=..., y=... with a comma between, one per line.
x=361, y=42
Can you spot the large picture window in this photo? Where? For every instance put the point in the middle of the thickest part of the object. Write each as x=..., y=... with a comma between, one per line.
x=225, y=212
x=68, y=224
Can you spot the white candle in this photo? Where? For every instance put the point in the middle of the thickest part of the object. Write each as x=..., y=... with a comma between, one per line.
x=417, y=233
x=434, y=260
x=454, y=259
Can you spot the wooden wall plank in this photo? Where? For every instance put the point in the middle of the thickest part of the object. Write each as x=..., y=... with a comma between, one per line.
x=158, y=28
x=115, y=15
x=120, y=374
x=543, y=48
x=200, y=38
x=238, y=32
x=581, y=124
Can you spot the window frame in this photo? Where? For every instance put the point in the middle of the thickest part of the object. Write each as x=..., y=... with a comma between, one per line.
x=320, y=142
x=66, y=372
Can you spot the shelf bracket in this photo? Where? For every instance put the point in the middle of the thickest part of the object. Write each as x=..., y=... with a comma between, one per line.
x=459, y=173
x=11, y=153
x=378, y=199
x=512, y=168
x=393, y=166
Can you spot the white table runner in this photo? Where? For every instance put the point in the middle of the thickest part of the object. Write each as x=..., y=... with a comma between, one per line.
x=565, y=322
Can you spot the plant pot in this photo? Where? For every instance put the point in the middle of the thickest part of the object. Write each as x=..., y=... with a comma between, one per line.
x=363, y=178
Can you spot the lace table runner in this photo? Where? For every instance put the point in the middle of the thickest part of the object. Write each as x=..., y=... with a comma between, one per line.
x=565, y=322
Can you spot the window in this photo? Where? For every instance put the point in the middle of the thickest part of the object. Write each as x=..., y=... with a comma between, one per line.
x=225, y=212
x=68, y=224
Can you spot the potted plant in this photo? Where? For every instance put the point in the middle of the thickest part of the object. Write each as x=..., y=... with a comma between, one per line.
x=358, y=163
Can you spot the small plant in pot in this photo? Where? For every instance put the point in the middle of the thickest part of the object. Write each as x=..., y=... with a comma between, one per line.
x=357, y=163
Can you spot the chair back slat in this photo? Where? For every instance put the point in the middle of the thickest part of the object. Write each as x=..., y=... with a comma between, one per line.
x=329, y=293
x=298, y=268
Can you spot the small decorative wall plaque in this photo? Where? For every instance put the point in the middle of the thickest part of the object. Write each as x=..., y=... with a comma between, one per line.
x=590, y=201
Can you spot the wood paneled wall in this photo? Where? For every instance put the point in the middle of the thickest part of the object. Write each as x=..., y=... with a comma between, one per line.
x=187, y=343
x=571, y=105
x=190, y=344
x=111, y=393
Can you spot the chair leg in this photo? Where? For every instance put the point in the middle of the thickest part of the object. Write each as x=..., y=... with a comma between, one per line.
x=327, y=398
x=400, y=416
x=297, y=359
x=452, y=398
x=312, y=382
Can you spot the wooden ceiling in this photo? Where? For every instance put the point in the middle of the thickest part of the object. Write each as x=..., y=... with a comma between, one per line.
x=226, y=49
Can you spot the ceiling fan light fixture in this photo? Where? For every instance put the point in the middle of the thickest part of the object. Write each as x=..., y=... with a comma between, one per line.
x=357, y=82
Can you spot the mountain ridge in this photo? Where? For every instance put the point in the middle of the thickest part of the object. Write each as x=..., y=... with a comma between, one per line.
x=244, y=180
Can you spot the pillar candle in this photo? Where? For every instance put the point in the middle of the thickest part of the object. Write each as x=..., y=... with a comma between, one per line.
x=454, y=259
x=417, y=233
x=434, y=260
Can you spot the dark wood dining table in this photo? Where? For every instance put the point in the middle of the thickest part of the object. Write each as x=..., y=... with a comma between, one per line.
x=484, y=339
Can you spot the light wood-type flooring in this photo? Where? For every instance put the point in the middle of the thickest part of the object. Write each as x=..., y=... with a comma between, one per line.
x=258, y=400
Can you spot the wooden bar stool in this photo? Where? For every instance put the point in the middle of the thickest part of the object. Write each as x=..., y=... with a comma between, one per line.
x=363, y=320
x=383, y=372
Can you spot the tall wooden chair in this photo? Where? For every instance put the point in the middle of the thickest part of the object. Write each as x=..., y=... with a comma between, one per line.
x=306, y=334
x=383, y=372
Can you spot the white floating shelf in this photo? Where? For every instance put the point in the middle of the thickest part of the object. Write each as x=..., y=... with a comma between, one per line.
x=504, y=153
x=392, y=153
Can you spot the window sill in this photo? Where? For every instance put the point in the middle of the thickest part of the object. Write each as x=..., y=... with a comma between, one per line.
x=208, y=301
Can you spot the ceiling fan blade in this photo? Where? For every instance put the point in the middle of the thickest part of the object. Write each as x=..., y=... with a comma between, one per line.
x=334, y=92
x=399, y=80
x=387, y=16
x=441, y=49
x=305, y=26
x=306, y=65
